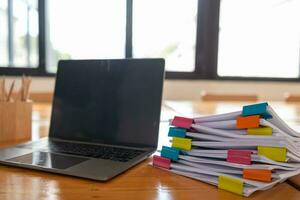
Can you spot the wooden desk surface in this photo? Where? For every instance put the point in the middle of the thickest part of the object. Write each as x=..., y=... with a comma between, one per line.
x=142, y=181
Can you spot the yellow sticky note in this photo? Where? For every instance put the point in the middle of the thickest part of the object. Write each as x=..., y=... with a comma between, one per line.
x=260, y=131
x=274, y=153
x=182, y=143
x=231, y=184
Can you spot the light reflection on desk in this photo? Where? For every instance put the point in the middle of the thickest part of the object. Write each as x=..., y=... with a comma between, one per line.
x=140, y=182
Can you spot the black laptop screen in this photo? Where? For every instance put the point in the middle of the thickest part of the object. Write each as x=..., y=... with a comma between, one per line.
x=108, y=101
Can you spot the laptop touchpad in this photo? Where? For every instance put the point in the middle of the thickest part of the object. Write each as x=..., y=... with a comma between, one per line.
x=48, y=160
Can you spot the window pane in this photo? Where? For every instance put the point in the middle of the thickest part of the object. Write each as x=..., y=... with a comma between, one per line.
x=90, y=29
x=166, y=29
x=3, y=34
x=25, y=33
x=259, y=38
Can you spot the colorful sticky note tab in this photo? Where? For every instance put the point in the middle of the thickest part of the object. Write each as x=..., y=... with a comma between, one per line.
x=257, y=109
x=182, y=143
x=231, y=184
x=247, y=122
x=260, y=131
x=274, y=153
x=182, y=122
x=239, y=156
x=171, y=153
x=161, y=162
x=258, y=174
x=177, y=132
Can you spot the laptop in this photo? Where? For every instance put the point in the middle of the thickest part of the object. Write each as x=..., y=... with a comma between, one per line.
x=105, y=119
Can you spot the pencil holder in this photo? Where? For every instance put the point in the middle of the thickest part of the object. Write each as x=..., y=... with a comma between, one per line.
x=15, y=120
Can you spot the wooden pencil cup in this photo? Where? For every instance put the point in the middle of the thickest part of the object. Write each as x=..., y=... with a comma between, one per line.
x=15, y=120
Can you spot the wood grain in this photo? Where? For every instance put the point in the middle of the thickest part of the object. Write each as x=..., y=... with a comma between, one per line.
x=39, y=97
x=227, y=97
x=140, y=182
x=292, y=98
x=15, y=120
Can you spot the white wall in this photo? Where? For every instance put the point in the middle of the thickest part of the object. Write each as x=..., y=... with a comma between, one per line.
x=191, y=90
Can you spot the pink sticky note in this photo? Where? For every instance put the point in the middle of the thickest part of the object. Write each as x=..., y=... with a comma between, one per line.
x=239, y=156
x=182, y=122
x=161, y=162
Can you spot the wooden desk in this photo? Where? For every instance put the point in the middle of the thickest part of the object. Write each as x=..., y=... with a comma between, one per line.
x=140, y=182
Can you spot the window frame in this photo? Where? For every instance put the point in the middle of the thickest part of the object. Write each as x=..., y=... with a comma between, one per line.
x=206, y=56
x=40, y=70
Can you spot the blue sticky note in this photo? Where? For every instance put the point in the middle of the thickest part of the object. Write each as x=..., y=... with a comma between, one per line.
x=177, y=132
x=171, y=153
x=257, y=109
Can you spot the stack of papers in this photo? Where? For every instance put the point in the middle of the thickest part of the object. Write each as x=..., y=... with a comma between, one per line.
x=241, y=152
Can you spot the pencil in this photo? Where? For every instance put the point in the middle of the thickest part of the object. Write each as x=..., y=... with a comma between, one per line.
x=1, y=89
x=27, y=88
x=23, y=88
x=10, y=91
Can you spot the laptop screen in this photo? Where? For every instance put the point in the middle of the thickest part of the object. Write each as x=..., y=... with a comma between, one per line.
x=108, y=101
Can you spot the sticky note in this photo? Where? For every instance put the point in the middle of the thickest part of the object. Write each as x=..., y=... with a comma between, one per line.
x=258, y=174
x=182, y=122
x=231, y=184
x=161, y=162
x=257, y=109
x=177, y=132
x=273, y=153
x=239, y=156
x=171, y=153
x=182, y=143
x=247, y=122
x=260, y=131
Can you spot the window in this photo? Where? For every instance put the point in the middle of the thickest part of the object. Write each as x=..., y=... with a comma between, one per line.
x=3, y=33
x=85, y=29
x=199, y=39
x=19, y=33
x=166, y=29
x=259, y=38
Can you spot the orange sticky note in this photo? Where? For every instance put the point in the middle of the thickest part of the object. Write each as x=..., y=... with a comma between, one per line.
x=247, y=122
x=258, y=174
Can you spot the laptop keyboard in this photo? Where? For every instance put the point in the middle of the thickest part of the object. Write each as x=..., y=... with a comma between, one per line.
x=94, y=151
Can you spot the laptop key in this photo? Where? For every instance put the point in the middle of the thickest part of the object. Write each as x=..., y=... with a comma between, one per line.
x=94, y=151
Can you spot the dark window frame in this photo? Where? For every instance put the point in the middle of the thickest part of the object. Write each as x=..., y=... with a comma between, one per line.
x=206, y=46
